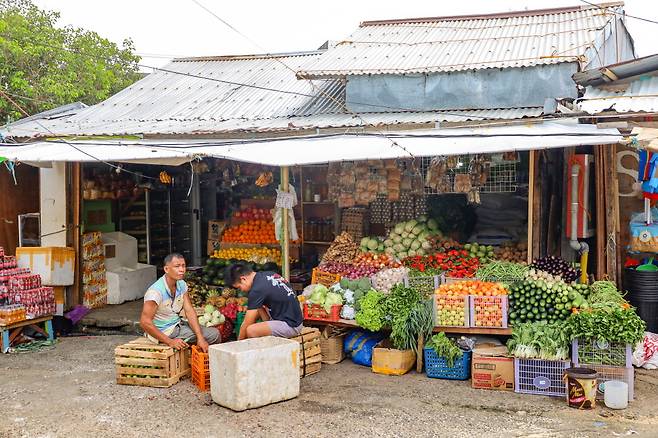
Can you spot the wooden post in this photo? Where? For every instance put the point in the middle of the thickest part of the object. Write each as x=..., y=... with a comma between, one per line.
x=531, y=199
x=76, y=295
x=601, y=235
x=285, y=237
x=611, y=196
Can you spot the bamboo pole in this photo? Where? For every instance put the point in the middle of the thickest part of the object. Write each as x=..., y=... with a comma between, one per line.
x=285, y=238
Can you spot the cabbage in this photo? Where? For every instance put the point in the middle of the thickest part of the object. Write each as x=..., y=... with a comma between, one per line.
x=319, y=294
x=411, y=253
x=426, y=245
x=216, y=314
x=202, y=320
x=418, y=229
x=373, y=244
x=432, y=225
x=390, y=251
x=415, y=245
x=388, y=243
x=330, y=299
x=209, y=308
x=410, y=225
x=364, y=241
x=422, y=219
x=407, y=242
x=397, y=238
x=399, y=228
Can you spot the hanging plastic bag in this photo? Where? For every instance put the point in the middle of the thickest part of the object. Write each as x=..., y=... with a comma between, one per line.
x=285, y=201
x=644, y=237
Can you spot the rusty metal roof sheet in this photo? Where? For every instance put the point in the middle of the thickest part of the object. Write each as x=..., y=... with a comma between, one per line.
x=640, y=95
x=444, y=44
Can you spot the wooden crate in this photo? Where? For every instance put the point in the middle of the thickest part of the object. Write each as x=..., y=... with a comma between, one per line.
x=310, y=353
x=166, y=366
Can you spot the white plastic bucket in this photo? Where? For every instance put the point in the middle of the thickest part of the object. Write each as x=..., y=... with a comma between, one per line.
x=616, y=394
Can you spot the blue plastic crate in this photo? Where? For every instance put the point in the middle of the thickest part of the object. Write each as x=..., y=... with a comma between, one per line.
x=437, y=368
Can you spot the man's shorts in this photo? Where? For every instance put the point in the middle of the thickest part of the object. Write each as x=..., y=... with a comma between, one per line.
x=281, y=329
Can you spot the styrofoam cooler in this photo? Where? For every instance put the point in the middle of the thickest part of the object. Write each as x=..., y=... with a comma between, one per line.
x=129, y=284
x=55, y=265
x=254, y=372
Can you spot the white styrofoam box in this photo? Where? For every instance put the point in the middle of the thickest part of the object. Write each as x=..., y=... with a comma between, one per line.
x=254, y=372
x=55, y=265
x=128, y=284
x=120, y=250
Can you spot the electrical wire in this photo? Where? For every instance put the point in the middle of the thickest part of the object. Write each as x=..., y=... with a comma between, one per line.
x=618, y=13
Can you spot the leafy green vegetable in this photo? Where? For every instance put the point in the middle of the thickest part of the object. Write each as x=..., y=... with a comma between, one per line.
x=420, y=321
x=539, y=340
x=371, y=314
x=445, y=348
x=621, y=324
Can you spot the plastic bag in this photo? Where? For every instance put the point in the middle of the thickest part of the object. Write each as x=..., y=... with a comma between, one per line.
x=359, y=344
x=289, y=200
x=644, y=238
x=645, y=354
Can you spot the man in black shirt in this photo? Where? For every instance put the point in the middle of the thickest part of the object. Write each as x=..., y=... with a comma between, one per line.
x=270, y=297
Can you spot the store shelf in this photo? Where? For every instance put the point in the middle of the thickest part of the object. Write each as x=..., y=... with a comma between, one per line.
x=474, y=330
x=133, y=218
x=347, y=323
x=135, y=232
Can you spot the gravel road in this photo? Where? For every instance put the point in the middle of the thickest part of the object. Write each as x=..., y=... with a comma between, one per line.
x=70, y=391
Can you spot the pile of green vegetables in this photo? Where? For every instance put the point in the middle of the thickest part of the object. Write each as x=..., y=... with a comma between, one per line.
x=325, y=298
x=539, y=340
x=446, y=348
x=548, y=301
x=608, y=318
x=403, y=311
x=502, y=271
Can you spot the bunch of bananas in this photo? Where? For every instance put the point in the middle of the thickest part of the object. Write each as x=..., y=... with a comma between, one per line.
x=264, y=179
x=165, y=178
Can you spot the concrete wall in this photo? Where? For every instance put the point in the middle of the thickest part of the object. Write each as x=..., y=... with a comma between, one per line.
x=53, y=205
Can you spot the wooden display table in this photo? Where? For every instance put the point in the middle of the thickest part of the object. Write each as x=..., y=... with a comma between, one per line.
x=11, y=331
x=347, y=323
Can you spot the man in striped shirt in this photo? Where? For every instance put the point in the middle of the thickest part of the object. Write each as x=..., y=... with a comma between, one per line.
x=163, y=303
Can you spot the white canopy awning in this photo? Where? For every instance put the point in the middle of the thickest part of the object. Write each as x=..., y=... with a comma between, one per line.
x=320, y=148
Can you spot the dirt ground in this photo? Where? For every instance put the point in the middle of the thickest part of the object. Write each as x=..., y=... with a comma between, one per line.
x=70, y=391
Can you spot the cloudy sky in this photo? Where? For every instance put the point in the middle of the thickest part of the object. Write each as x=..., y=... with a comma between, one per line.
x=162, y=29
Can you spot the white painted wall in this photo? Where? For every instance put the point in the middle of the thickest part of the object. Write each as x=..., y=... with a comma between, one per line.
x=53, y=204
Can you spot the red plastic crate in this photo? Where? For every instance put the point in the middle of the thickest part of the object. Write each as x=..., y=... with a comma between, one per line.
x=316, y=312
x=496, y=305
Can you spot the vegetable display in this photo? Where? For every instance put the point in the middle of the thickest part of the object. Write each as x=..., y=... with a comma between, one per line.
x=385, y=279
x=451, y=311
x=211, y=317
x=484, y=253
x=445, y=348
x=406, y=239
x=506, y=272
x=419, y=322
x=342, y=250
x=371, y=313
x=557, y=266
x=251, y=231
x=397, y=307
x=545, y=301
x=325, y=298
x=539, y=340
x=517, y=253
x=456, y=264
x=352, y=291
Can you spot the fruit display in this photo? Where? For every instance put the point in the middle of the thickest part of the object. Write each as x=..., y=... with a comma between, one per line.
x=342, y=250
x=255, y=231
x=257, y=254
x=250, y=213
x=557, y=266
x=539, y=300
x=452, y=311
x=472, y=287
x=489, y=311
x=440, y=243
x=406, y=239
x=196, y=289
x=483, y=252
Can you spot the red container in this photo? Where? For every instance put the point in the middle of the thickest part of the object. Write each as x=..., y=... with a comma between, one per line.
x=316, y=312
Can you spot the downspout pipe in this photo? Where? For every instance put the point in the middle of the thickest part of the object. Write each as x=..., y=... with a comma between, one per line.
x=581, y=247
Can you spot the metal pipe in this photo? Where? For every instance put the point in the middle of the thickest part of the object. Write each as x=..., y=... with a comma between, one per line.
x=581, y=247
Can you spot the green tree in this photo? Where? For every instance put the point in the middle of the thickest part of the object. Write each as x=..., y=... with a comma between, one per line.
x=43, y=66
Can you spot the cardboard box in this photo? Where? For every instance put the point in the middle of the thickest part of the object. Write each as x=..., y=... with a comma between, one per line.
x=216, y=229
x=387, y=360
x=492, y=369
x=213, y=245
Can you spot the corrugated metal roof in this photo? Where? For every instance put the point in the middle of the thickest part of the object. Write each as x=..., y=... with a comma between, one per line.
x=518, y=39
x=640, y=95
x=280, y=124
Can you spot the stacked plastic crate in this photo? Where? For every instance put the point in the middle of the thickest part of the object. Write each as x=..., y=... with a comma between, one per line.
x=611, y=361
